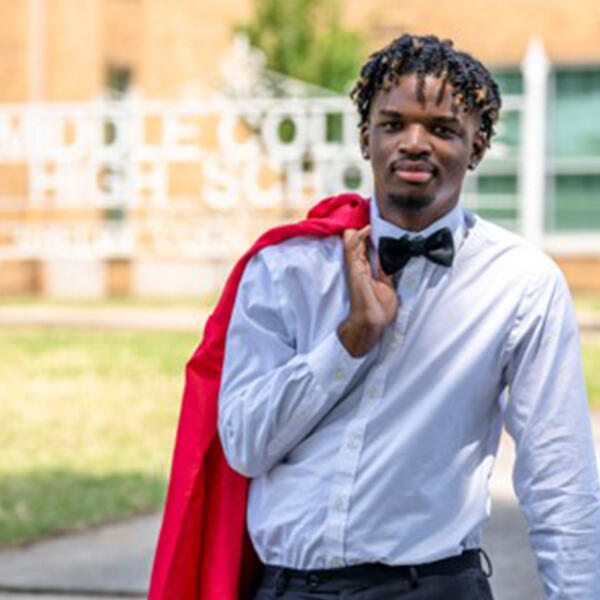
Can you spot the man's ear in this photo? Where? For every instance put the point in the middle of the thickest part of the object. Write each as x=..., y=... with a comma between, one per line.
x=364, y=141
x=477, y=150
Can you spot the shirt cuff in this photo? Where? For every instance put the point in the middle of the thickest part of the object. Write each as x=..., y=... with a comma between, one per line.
x=333, y=367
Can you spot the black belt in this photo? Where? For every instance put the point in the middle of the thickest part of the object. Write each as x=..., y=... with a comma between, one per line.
x=333, y=579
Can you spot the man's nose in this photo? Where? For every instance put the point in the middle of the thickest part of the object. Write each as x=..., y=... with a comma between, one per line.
x=415, y=140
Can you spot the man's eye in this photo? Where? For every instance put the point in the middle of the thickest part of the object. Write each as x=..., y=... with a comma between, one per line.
x=443, y=131
x=391, y=125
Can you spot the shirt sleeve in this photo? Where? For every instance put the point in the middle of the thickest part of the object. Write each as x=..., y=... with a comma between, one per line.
x=272, y=396
x=555, y=475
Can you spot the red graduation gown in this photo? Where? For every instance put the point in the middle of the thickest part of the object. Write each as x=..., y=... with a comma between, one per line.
x=203, y=551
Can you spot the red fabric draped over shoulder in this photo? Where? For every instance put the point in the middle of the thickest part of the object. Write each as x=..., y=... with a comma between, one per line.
x=203, y=551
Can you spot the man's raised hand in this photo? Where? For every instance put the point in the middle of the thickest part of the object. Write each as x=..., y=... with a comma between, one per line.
x=373, y=300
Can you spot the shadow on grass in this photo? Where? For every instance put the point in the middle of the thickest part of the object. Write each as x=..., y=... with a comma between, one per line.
x=44, y=502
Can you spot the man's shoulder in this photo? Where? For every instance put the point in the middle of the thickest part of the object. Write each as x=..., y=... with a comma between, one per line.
x=507, y=250
x=303, y=252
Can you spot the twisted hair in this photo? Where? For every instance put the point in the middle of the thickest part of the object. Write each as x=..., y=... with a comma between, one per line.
x=471, y=84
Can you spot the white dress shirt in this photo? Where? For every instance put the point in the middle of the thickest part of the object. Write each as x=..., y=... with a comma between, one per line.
x=387, y=458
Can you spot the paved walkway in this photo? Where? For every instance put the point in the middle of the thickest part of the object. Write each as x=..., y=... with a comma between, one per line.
x=114, y=561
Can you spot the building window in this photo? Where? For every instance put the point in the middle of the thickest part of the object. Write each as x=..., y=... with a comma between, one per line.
x=510, y=80
x=493, y=191
x=575, y=203
x=574, y=122
x=497, y=199
x=508, y=130
x=118, y=80
x=574, y=146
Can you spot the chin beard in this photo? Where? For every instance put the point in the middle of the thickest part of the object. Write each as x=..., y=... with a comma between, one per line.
x=410, y=203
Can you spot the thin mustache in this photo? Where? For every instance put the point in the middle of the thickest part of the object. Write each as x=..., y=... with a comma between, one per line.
x=402, y=164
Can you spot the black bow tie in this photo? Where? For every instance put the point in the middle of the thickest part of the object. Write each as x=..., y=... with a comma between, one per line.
x=395, y=253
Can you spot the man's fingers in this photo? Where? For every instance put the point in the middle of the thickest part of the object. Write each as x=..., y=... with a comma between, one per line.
x=356, y=248
x=354, y=237
x=355, y=242
x=364, y=232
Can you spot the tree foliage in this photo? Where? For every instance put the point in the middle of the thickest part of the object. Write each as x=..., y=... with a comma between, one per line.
x=306, y=40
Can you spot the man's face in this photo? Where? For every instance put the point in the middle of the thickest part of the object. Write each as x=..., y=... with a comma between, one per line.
x=419, y=152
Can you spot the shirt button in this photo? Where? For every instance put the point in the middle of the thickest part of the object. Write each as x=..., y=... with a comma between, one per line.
x=336, y=562
x=410, y=281
x=373, y=393
x=339, y=374
x=353, y=443
x=339, y=504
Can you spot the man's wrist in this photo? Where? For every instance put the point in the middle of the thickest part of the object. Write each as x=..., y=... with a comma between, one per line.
x=358, y=336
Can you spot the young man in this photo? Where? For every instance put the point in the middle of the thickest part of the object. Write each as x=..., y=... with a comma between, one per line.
x=358, y=364
x=363, y=381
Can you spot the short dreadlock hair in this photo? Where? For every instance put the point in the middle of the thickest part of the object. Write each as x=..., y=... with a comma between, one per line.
x=472, y=86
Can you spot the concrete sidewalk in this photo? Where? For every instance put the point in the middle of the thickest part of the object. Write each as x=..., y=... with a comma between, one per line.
x=114, y=561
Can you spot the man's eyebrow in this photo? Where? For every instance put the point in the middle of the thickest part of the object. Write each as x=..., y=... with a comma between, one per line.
x=384, y=112
x=448, y=119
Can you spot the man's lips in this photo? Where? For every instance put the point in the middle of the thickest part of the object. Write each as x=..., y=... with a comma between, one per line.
x=414, y=176
x=413, y=171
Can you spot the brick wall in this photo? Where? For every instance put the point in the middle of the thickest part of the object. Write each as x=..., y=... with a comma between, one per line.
x=582, y=272
x=496, y=31
x=73, y=61
x=122, y=33
x=13, y=51
x=167, y=44
x=184, y=41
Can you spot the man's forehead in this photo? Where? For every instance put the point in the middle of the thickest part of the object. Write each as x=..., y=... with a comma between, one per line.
x=427, y=91
x=426, y=88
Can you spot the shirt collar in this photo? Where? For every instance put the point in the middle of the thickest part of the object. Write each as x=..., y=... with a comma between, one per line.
x=454, y=220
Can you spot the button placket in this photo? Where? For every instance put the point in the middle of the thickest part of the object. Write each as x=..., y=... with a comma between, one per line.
x=409, y=281
x=397, y=337
x=372, y=393
x=353, y=442
x=374, y=387
x=334, y=532
x=407, y=290
x=347, y=466
x=411, y=276
x=341, y=491
x=339, y=374
x=340, y=504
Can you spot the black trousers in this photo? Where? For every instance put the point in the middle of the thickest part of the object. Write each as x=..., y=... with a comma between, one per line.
x=458, y=578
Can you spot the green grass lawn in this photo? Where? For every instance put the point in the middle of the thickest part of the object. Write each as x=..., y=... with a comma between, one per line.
x=88, y=420
x=591, y=366
x=588, y=302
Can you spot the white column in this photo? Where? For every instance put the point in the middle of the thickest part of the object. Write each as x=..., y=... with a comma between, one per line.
x=37, y=50
x=533, y=141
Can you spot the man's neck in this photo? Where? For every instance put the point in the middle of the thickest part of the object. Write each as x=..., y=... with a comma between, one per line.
x=416, y=220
